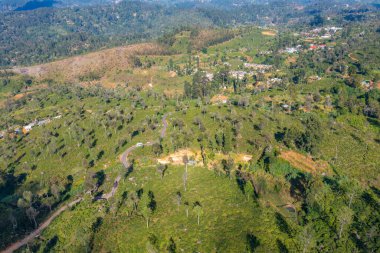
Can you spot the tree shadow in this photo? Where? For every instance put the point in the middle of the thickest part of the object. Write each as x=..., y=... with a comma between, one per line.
x=375, y=191
x=298, y=186
x=252, y=242
x=240, y=181
x=282, y=224
x=51, y=244
x=281, y=247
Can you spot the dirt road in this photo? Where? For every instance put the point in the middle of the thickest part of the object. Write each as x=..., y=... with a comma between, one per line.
x=106, y=196
x=42, y=226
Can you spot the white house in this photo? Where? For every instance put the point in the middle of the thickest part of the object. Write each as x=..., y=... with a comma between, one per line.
x=28, y=127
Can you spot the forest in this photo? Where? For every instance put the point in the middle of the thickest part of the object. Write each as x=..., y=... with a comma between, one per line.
x=46, y=34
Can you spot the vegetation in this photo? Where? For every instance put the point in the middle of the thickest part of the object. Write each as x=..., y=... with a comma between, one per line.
x=238, y=139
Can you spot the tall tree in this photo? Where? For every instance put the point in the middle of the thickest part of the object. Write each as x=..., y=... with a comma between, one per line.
x=198, y=210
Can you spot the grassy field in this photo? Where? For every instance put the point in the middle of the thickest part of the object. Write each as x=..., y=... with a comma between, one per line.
x=228, y=218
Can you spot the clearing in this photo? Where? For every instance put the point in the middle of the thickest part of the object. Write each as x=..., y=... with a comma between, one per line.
x=89, y=67
x=269, y=33
x=305, y=163
x=177, y=157
x=195, y=155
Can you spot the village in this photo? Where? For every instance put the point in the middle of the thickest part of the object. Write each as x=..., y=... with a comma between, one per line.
x=18, y=130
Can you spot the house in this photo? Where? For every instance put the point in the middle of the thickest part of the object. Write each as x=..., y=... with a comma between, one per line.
x=326, y=36
x=315, y=47
x=291, y=50
x=269, y=52
x=258, y=67
x=27, y=128
x=274, y=81
x=210, y=76
x=238, y=74
x=286, y=107
x=43, y=122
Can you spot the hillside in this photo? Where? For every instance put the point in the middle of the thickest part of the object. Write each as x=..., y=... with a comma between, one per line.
x=47, y=34
x=90, y=67
x=238, y=139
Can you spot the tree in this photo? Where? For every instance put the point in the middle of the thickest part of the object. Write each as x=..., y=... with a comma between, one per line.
x=32, y=213
x=171, y=247
x=90, y=182
x=198, y=210
x=48, y=202
x=306, y=238
x=171, y=64
x=228, y=165
x=161, y=168
x=157, y=149
x=249, y=189
x=188, y=90
x=351, y=188
x=310, y=140
x=26, y=202
x=146, y=207
x=317, y=20
x=185, y=160
x=227, y=141
x=134, y=198
x=184, y=178
x=137, y=62
x=178, y=198
x=344, y=218
x=186, y=203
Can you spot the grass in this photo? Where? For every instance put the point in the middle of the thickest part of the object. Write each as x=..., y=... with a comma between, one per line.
x=227, y=218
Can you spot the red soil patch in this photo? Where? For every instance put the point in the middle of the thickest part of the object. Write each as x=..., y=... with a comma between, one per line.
x=305, y=163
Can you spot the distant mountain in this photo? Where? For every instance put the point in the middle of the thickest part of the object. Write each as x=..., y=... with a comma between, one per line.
x=35, y=4
x=24, y=5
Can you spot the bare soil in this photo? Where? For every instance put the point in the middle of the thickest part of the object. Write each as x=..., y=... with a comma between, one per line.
x=269, y=33
x=93, y=65
x=305, y=163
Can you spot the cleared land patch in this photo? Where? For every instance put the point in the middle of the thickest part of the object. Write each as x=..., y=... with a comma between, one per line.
x=305, y=163
x=269, y=33
x=177, y=158
x=89, y=67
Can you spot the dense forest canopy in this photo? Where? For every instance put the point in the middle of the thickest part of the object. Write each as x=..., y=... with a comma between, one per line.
x=41, y=35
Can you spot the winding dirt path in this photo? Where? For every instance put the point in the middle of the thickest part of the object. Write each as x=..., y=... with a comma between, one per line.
x=46, y=223
x=42, y=226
